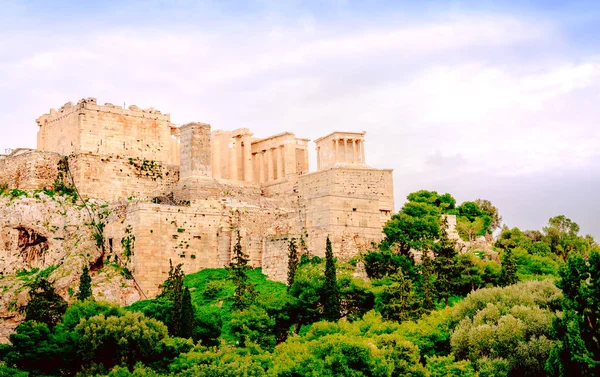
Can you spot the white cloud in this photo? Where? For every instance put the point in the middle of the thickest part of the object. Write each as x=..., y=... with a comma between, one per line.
x=440, y=100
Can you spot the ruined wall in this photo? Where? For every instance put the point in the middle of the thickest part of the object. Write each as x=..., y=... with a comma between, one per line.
x=351, y=205
x=112, y=178
x=108, y=130
x=60, y=131
x=29, y=170
x=197, y=237
x=196, y=151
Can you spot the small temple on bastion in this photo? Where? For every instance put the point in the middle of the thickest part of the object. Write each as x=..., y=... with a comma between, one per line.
x=186, y=192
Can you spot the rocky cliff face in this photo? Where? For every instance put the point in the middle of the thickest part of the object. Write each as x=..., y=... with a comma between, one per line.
x=43, y=234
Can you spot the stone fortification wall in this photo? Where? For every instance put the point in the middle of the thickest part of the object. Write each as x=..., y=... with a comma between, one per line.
x=201, y=236
x=112, y=178
x=350, y=205
x=29, y=169
x=195, y=160
x=197, y=237
x=109, y=130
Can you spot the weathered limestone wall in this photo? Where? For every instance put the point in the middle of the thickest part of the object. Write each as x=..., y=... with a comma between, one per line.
x=275, y=257
x=60, y=131
x=112, y=178
x=196, y=151
x=29, y=169
x=197, y=237
x=351, y=205
x=108, y=130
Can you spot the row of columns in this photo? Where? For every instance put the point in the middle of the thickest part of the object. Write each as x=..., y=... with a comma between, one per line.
x=266, y=162
x=358, y=147
x=237, y=146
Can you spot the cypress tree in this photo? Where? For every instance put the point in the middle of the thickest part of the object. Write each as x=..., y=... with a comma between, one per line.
x=245, y=292
x=172, y=290
x=446, y=266
x=186, y=326
x=331, y=295
x=85, y=285
x=292, y=262
x=508, y=274
x=45, y=305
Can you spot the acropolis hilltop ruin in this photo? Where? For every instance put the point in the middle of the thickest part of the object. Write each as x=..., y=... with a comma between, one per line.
x=183, y=193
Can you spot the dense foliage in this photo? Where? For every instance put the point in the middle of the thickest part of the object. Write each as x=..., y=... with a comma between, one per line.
x=529, y=306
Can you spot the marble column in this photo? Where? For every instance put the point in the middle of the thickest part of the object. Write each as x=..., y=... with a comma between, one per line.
x=248, y=171
x=279, y=162
x=345, y=150
x=233, y=166
x=261, y=166
x=354, y=156
x=362, y=151
x=269, y=165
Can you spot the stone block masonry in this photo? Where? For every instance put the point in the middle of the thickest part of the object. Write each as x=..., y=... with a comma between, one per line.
x=196, y=159
x=109, y=130
x=27, y=169
x=115, y=177
x=216, y=184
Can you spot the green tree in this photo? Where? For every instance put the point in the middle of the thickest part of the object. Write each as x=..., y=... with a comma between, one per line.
x=208, y=323
x=445, y=265
x=172, y=290
x=470, y=229
x=306, y=295
x=470, y=210
x=331, y=295
x=85, y=285
x=506, y=331
x=381, y=263
x=292, y=262
x=398, y=301
x=35, y=350
x=508, y=273
x=487, y=207
x=45, y=305
x=561, y=235
x=245, y=291
x=356, y=297
x=415, y=227
x=331, y=356
x=578, y=329
x=187, y=324
x=253, y=325
x=426, y=284
x=120, y=340
x=445, y=366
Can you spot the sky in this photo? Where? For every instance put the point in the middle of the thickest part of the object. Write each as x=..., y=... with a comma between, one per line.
x=481, y=99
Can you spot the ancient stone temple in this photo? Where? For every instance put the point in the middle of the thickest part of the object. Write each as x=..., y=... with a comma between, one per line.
x=185, y=193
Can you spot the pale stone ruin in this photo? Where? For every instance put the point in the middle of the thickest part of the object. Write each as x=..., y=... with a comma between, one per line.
x=183, y=193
